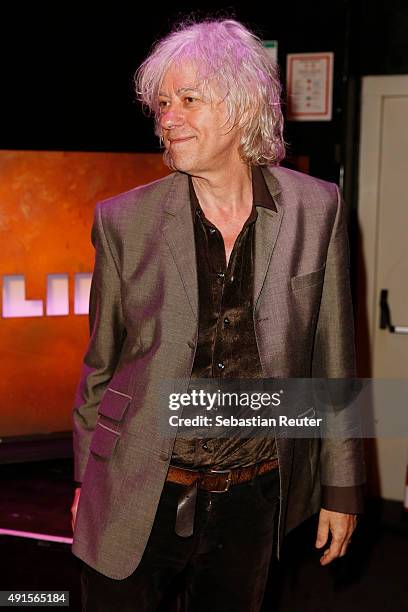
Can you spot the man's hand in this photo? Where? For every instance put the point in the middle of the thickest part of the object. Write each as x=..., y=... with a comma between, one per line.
x=74, y=507
x=341, y=527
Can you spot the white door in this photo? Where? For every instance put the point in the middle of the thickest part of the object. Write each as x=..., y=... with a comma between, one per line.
x=383, y=220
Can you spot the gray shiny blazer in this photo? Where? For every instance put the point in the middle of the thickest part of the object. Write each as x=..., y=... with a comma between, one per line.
x=144, y=323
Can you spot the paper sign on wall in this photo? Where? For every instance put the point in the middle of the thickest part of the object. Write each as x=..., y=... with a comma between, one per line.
x=310, y=86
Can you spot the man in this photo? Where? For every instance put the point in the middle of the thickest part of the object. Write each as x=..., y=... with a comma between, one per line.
x=231, y=267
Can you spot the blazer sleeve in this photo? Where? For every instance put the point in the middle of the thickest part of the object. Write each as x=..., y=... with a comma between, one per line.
x=341, y=459
x=107, y=332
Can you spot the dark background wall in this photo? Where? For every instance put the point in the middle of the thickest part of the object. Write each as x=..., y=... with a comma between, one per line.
x=66, y=70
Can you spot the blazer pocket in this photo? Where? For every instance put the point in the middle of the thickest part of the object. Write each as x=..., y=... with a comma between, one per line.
x=104, y=441
x=114, y=404
x=307, y=280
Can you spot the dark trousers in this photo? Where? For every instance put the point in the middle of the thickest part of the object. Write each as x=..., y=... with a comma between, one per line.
x=225, y=561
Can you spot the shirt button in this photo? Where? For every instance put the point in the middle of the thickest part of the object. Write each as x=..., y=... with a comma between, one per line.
x=221, y=274
x=226, y=321
x=220, y=365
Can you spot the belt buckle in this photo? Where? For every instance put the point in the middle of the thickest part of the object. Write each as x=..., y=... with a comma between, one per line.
x=228, y=481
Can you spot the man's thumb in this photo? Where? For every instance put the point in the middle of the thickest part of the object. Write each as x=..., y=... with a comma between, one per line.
x=322, y=534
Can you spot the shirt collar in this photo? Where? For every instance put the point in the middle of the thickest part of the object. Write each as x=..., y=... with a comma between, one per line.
x=260, y=193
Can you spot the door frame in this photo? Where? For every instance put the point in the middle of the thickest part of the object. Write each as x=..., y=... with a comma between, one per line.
x=385, y=458
x=374, y=90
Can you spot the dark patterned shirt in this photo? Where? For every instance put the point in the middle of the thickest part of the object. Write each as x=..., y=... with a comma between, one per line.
x=227, y=345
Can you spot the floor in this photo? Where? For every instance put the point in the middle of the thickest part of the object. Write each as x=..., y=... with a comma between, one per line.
x=35, y=498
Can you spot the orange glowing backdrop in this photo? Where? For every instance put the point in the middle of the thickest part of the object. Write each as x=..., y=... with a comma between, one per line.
x=46, y=210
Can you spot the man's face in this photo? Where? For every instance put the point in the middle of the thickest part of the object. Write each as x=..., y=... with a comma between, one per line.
x=193, y=124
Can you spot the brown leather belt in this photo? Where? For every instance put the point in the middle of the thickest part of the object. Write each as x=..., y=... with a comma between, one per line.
x=214, y=481
x=219, y=481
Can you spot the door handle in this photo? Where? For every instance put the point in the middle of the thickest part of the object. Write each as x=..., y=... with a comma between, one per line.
x=385, y=316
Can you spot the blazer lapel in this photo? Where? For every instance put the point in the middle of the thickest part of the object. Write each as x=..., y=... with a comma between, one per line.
x=178, y=231
x=266, y=232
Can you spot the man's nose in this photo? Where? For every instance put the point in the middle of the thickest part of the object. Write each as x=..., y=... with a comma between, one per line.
x=172, y=118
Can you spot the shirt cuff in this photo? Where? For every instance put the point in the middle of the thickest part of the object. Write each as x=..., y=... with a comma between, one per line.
x=349, y=500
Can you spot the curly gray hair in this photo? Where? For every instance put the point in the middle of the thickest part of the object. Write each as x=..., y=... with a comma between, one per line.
x=228, y=52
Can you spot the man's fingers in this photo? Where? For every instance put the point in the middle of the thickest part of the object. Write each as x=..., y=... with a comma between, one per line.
x=322, y=531
x=341, y=527
x=346, y=543
x=73, y=517
x=332, y=553
x=347, y=538
x=338, y=548
x=344, y=548
x=74, y=507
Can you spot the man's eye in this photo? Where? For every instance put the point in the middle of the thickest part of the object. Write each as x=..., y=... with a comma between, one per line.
x=163, y=103
x=190, y=99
